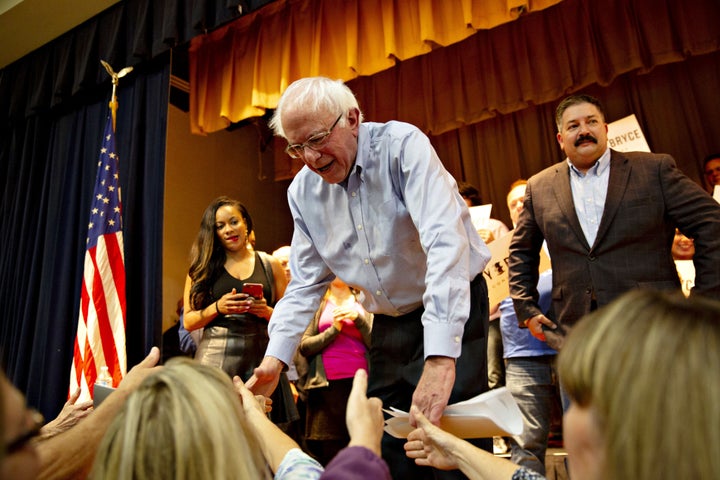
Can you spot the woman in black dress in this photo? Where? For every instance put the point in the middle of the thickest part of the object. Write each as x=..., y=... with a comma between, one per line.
x=223, y=261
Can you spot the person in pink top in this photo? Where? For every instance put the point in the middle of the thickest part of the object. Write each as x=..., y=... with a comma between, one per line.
x=336, y=344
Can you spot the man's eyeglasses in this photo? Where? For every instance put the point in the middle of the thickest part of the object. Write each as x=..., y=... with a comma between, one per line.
x=297, y=150
x=23, y=439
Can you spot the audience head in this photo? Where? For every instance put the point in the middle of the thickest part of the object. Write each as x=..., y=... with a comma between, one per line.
x=283, y=256
x=320, y=119
x=711, y=168
x=470, y=194
x=640, y=376
x=582, y=131
x=515, y=199
x=183, y=422
x=18, y=426
x=683, y=248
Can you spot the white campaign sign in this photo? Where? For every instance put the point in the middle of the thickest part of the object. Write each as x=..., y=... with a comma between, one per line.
x=625, y=135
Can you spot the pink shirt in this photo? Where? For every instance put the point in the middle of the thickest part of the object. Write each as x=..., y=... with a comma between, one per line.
x=346, y=353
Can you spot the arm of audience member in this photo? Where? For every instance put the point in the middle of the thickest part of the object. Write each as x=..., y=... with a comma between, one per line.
x=433, y=389
x=314, y=342
x=364, y=418
x=70, y=415
x=274, y=443
x=364, y=322
x=70, y=454
x=432, y=446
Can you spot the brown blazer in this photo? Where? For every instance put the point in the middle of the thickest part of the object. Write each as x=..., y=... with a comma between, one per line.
x=647, y=198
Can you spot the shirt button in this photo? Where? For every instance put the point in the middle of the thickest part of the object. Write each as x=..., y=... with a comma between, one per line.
x=354, y=194
x=367, y=261
x=359, y=227
x=378, y=293
x=457, y=339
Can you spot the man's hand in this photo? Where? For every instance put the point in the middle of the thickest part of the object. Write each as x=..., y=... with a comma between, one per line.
x=535, y=324
x=265, y=378
x=364, y=417
x=433, y=390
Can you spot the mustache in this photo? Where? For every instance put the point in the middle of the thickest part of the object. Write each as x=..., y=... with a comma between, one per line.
x=583, y=138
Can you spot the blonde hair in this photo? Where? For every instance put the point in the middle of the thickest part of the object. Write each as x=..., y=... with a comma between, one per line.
x=649, y=364
x=183, y=422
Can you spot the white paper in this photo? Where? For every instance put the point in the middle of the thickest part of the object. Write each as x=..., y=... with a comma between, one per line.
x=716, y=193
x=490, y=414
x=480, y=216
x=625, y=135
x=497, y=271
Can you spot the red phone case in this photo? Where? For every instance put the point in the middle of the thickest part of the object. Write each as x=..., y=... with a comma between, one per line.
x=253, y=289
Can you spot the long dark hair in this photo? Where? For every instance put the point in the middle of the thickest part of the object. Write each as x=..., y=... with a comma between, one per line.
x=207, y=256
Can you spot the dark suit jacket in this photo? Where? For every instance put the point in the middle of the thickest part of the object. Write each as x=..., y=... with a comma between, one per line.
x=647, y=198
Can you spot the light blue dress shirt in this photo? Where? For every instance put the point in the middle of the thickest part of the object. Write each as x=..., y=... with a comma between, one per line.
x=396, y=229
x=589, y=191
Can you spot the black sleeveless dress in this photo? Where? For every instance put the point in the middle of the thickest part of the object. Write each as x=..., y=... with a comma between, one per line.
x=237, y=343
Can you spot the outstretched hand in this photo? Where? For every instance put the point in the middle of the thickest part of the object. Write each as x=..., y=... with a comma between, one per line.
x=429, y=445
x=250, y=401
x=140, y=371
x=364, y=417
x=70, y=414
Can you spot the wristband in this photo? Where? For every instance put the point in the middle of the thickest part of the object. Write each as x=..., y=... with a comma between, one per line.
x=217, y=307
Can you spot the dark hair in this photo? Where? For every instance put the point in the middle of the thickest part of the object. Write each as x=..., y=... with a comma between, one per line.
x=469, y=191
x=208, y=254
x=714, y=156
x=575, y=100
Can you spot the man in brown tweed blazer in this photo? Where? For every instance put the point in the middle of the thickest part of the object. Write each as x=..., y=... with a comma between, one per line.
x=608, y=219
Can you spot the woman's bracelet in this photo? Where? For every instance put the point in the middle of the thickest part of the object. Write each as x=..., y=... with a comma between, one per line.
x=217, y=307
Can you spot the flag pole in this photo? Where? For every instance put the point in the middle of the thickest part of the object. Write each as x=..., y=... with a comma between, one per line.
x=115, y=82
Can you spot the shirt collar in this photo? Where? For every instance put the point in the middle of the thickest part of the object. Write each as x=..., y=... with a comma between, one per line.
x=600, y=167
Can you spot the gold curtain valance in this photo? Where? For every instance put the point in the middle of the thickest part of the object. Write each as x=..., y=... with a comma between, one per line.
x=238, y=71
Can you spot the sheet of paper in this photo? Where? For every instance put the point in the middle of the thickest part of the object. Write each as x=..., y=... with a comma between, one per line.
x=490, y=414
x=480, y=215
x=496, y=271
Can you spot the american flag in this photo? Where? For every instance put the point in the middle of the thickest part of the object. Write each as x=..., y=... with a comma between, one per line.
x=100, y=336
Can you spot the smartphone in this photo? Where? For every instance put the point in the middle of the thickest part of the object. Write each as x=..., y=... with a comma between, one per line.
x=253, y=289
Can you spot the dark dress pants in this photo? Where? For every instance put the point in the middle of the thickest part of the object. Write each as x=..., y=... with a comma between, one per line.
x=396, y=363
